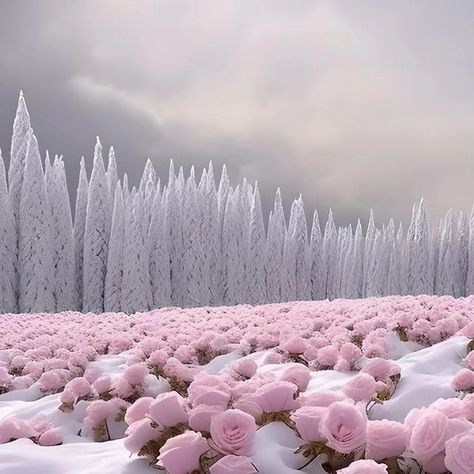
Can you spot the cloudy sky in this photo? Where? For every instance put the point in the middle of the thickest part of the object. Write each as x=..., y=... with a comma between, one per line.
x=355, y=104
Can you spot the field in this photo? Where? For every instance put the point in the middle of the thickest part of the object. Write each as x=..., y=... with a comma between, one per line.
x=327, y=384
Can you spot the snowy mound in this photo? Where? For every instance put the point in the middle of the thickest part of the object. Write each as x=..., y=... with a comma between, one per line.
x=361, y=386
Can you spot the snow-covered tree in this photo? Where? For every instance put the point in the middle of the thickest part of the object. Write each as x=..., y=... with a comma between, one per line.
x=96, y=236
x=19, y=145
x=115, y=255
x=256, y=253
x=8, y=249
x=35, y=242
x=136, y=291
x=79, y=227
x=65, y=291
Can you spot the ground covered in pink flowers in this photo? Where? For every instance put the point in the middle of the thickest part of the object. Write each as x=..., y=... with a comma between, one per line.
x=350, y=386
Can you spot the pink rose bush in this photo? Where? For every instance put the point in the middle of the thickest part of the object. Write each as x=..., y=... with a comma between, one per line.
x=172, y=406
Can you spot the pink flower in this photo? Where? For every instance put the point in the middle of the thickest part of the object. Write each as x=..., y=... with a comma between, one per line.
x=233, y=432
x=463, y=380
x=344, y=427
x=168, y=409
x=233, y=465
x=15, y=428
x=307, y=420
x=327, y=356
x=321, y=399
x=208, y=390
x=200, y=417
x=360, y=388
x=297, y=374
x=350, y=352
x=295, y=345
x=429, y=434
x=135, y=374
x=364, y=466
x=102, y=384
x=460, y=453
x=139, y=433
x=158, y=357
x=245, y=367
x=181, y=454
x=138, y=410
x=379, y=368
x=276, y=396
x=51, y=437
x=469, y=360
x=385, y=439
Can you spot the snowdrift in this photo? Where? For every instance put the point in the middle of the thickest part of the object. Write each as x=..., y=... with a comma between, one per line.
x=354, y=386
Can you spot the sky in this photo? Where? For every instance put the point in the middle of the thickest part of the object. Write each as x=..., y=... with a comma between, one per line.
x=356, y=104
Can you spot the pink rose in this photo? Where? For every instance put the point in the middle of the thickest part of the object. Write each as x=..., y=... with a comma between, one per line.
x=295, y=345
x=327, y=356
x=344, y=427
x=321, y=399
x=233, y=465
x=168, y=409
x=469, y=360
x=297, y=374
x=245, y=367
x=429, y=434
x=276, y=396
x=139, y=433
x=361, y=388
x=385, y=439
x=379, y=368
x=208, y=390
x=51, y=437
x=233, y=432
x=463, y=380
x=350, y=352
x=200, y=417
x=138, y=410
x=460, y=453
x=307, y=421
x=135, y=374
x=181, y=454
x=364, y=466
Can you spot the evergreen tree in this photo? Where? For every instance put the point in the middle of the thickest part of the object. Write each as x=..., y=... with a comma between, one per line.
x=79, y=227
x=115, y=255
x=35, y=243
x=96, y=236
x=8, y=249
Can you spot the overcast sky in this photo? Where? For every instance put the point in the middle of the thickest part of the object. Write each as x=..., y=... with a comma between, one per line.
x=355, y=104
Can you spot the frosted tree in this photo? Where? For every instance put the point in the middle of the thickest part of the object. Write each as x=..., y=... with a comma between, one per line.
x=115, y=255
x=422, y=268
x=136, y=291
x=96, y=236
x=462, y=254
x=19, y=145
x=274, y=249
x=317, y=276
x=330, y=258
x=470, y=262
x=303, y=269
x=374, y=285
x=35, y=243
x=244, y=214
x=8, y=249
x=346, y=264
x=159, y=260
x=79, y=227
x=256, y=252
x=233, y=266
x=65, y=291
x=446, y=259
x=112, y=175
x=192, y=246
x=369, y=242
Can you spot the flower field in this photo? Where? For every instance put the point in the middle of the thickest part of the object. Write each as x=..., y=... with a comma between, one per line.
x=352, y=386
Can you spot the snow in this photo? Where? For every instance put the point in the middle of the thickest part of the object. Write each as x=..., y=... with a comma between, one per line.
x=426, y=376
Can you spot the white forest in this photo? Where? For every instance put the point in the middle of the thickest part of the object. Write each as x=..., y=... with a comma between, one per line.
x=198, y=241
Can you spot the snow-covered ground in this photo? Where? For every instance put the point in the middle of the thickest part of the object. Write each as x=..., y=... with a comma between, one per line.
x=426, y=376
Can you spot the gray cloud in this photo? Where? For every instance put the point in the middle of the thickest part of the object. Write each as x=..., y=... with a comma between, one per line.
x=354, y=104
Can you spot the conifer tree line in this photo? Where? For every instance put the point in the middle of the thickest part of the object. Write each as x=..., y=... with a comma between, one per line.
x=197, y=242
